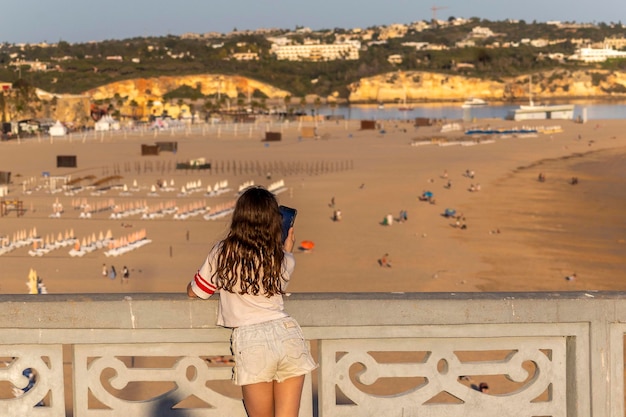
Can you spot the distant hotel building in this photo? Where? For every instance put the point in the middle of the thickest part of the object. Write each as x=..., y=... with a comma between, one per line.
x=245, y=56
x=615, y=43
x=33, y=65
x=596, y=55
x=317, y=52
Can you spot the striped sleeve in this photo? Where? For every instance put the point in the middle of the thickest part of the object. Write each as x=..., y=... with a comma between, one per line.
x=201, y=283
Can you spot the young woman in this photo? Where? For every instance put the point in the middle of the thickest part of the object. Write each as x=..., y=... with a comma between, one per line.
x=250, y=269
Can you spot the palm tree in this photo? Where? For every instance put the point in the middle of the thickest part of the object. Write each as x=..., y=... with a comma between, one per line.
x=302, y=104
x=287, y=102
x=3, y=107
x=134, y=105
x=149, y=105
x=317, y=103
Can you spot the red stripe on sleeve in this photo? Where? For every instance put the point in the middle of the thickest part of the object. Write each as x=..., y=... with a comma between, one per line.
x=203, y=284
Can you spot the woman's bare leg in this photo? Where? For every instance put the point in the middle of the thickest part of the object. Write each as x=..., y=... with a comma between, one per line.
x=287, y=395
x=273, y=399
x=258, y=399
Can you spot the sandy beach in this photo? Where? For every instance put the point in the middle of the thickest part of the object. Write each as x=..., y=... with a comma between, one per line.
x=521, y=234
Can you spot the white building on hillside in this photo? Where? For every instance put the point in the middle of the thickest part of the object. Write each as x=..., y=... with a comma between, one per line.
x=393, y=31
x=317, y=52
x=245, y=56
x=394, y=59
x=596, y=55
x=615, y=43
x=481, y=32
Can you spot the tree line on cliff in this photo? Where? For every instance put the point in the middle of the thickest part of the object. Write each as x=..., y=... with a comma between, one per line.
x=82, y=66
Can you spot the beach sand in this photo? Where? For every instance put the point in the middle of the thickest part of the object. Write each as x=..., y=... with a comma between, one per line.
x=521, y=235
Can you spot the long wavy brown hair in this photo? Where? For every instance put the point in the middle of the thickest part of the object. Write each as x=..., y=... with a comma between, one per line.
x=252, y=253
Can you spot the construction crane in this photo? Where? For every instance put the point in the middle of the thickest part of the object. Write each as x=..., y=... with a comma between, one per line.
x=434, y=9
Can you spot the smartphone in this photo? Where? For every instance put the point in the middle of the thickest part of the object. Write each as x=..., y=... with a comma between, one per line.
x=289, y=217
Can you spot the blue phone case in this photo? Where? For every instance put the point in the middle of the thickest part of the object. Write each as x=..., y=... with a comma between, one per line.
x=288, y=218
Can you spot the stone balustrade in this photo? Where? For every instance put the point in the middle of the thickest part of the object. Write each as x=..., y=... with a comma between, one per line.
x=391, y=355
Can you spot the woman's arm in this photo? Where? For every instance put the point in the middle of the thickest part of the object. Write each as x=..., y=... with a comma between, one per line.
x=290, y=241
x=200, y=286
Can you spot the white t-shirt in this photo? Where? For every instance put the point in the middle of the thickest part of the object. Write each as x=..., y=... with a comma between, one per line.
x=236, y=309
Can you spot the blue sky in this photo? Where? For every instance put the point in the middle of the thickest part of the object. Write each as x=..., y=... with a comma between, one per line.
x=84, y=20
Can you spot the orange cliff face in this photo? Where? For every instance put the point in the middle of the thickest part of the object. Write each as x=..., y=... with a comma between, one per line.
x=145, y=91
x=67, y=108
x=424, y=86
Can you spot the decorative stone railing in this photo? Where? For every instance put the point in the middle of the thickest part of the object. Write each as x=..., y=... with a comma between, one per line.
x=391, y=355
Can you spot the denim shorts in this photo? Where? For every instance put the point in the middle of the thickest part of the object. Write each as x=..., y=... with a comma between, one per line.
x=273, y=350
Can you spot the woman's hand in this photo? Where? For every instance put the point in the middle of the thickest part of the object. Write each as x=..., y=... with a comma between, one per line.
x=190, y=292
x=290, y=241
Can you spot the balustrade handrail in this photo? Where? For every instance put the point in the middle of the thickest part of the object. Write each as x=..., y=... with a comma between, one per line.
x=574, y=341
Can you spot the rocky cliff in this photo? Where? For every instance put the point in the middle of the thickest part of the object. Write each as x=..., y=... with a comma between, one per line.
x=424, y=86
x=140, y=97
x=68, y=108
x=147, y=93
x=392, y=87
x=144, y=89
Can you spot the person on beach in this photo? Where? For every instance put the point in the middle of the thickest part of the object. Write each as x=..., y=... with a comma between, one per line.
x=112, y=272
x=384, y=261
x=125, y=275
x=105, y=271
x=250, y=269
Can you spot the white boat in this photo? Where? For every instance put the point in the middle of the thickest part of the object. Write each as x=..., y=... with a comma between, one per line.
x=474, y=102
x=549, y=111
x=404, y=106
x=541, y=112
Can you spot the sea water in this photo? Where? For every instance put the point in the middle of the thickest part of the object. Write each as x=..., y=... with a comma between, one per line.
x=587, y=109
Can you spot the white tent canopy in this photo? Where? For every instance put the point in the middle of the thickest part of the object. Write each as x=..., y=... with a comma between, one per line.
x=107, y=123
x=58, y=129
